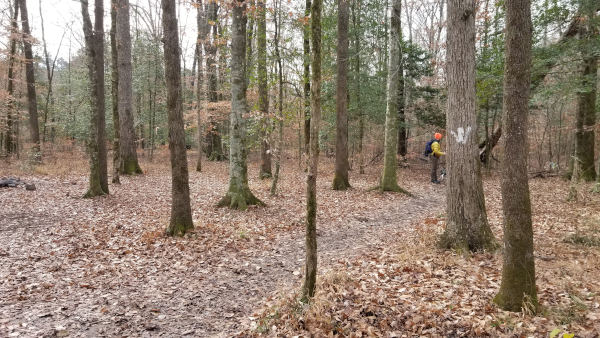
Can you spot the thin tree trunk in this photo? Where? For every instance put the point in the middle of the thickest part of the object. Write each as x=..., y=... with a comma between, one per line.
x=202, y=35
x=277, y=22
x=238, y=195
x=10, y=143
x=389, y=180
x=34, y=128
x=310, y=274
x=181, y=212
x=128, y=158
x=361, y=115
x=263, y=92
x=306, y=77
x=114, y=77
x=467, y=228
x=340, y=178
x=214, y=148
x=94, y=42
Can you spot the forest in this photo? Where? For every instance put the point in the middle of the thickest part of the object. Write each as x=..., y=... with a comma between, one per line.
x=318, y=168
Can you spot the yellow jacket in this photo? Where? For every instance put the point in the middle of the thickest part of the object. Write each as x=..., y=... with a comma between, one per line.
x=436, y=149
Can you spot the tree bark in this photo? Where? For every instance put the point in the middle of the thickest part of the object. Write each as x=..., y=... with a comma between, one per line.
x=518, y=270
x=263, y=92
x=340, y=178
x=389, y=180
x=310, y=274
x=238, y=195
x=467, y=227
x=128, y=162
x=94, y=45
x=306, y=77
x=213, y=137
x=181, y=212
x=361, y=115
x=203, y=28
x=114, y=78
x=10, y=143
x=277, y=22
x=34, y=128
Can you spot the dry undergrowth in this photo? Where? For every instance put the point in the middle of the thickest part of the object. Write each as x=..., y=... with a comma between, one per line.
x=414, y=289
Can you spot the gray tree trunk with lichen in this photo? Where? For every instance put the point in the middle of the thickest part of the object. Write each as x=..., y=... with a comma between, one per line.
x=467, y=228
x=238, y=195
x=181, y=212
x=518, y=269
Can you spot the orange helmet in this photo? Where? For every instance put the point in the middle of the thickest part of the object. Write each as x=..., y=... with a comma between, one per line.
x=437, y=136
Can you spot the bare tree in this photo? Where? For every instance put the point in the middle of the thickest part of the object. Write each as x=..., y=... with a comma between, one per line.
x=340, y=178
x=263, y=91
x=306, y=77
x=10, y=142
x=518, y=269
x=203, y=29
x=467, y=226
x=114, y=78
x=277, y=22
x=94, y=45
x=181, y=212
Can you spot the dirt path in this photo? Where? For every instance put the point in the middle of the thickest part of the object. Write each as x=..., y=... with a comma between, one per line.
x=100, y=267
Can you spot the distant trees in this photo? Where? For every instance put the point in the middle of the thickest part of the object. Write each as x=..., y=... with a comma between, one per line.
x=94, y=46
x=10, y=140
x=181, y=213
x=518, y=270
x=467, y=226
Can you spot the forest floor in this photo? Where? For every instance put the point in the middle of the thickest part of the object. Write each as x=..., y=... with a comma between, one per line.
x=102, y=267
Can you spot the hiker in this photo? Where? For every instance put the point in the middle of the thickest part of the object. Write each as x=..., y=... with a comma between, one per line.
x=433, y=151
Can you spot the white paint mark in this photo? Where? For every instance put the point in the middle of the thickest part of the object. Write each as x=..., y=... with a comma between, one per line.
x=460, y=135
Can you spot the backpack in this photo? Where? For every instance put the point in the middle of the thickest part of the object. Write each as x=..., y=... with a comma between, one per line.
x=428, y=149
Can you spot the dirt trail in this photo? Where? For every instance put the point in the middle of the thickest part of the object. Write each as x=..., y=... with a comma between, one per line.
x=99, y=267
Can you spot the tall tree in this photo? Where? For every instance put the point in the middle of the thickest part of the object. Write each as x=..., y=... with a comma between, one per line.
x=402, y=126
x=34, y=128
x=310, y=273
x=181, y=212
x=586, y=95
x=94, y=46
x=356, y=4
x=389, y=180
x=128, y=158
x=518, y=270
x=114, y=90
x=467, y=226
x=340, y=178
x=277, y=22
x=238, y=195
x=214, y=149
x=306, y=77
x=263, y=91
x=10, y=141
x=203, y=28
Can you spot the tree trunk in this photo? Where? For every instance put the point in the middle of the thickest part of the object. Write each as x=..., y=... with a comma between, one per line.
x=306, y=77
x=10, y=143
x=263, y=92
x=467, y=227
x=518, y=270
x=34, y=128
x=238, y=195
x=94, y=45
x=202, y=35
x=181, y=212
x=310, y=274
x=50, y=76
x=340, y=178
x=586, y=118
x=213, y=137
x=277, y=22
x=361, y=115
x=402, y=126
x=128, y=161
x=389, y=180
x=114, y=78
